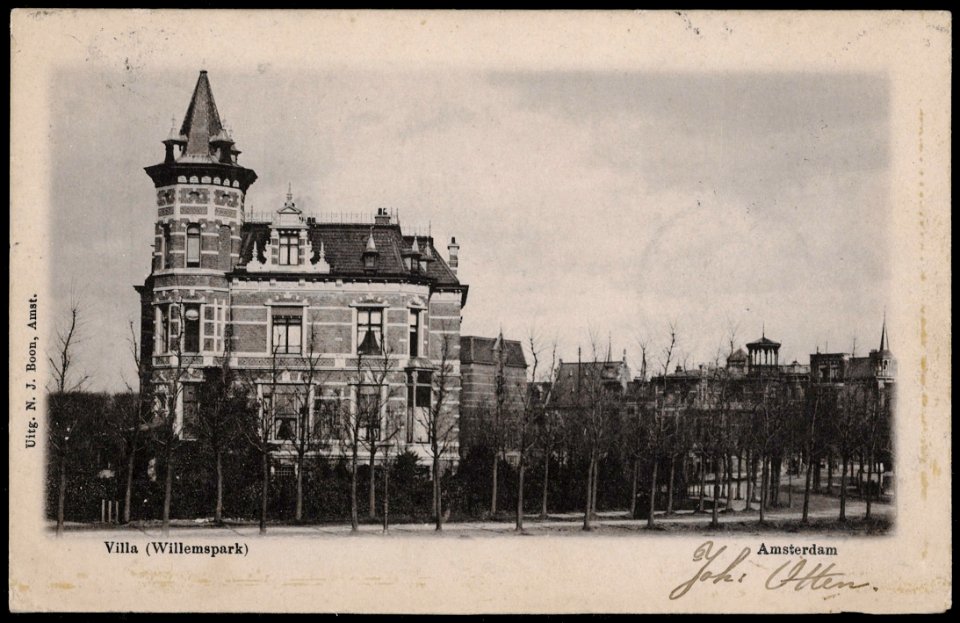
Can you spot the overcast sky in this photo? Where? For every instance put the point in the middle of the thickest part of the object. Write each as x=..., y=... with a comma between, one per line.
x=603, y=203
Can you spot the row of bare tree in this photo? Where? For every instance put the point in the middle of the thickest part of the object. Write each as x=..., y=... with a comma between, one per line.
x=667, y=429
x=672, y=428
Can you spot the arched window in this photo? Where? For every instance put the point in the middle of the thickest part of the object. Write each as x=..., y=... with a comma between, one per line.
x=193, y=245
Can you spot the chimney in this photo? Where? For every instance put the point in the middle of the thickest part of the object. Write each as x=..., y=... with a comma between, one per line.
x=382, y=218
x=453, y=251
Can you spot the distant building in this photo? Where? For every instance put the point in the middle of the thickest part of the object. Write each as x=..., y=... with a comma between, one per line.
x=878, y=366
x=575, y=381
x=486, y=364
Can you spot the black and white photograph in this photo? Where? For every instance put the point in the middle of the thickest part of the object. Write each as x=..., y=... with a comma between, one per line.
x=335, y=311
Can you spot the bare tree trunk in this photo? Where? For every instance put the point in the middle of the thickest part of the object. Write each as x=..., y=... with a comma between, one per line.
x=806, y=490
x=763, y=486
x=869, y=486
x=714, y=519
x=520, y=496
x=596, y=484
x=739, y=474
x=703, y=484
x=128, y=492
x=816, y=474
x=633, y=487
x=62, y=491
x=789, y=486
x=830, y=473
x=372, y=493
x=493, y=485
x=670, y=486
x=264, y=487
x=653, y=493
x=218, y=510
x=167, y=492
x=843, y=488
x=354, y=512
x=859, y=479
x=437, y=502
x=775, y=468
x=729, y=471
x=546, y=480
x=589, y=501
x=723, y=476
x=386, y=494
x=749, y=485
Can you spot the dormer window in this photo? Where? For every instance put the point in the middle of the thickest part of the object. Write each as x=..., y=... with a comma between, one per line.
x=370, y=254
x=193, y=245
x=289, y=248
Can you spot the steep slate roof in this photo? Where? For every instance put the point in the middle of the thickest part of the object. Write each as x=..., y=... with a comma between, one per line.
x=202, y=121
x=565, y=383
x=480, y=350
x=344, y=246
x=200, y=156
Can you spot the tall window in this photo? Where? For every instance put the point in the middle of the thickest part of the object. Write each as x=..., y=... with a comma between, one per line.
x=174, y=329
x=166, y=260
x=369, y=331
x=193, y=245
x=287, y=329
x=191, y=328
x=191, y=411
x=289, y=248
x=163, y=329
x=368, y=409
x=282, y=403
x=419, y=394
x=414, y=332
x=327, y=410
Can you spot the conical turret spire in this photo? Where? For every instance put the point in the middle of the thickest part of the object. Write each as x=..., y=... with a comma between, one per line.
x=202, y=121
x=883, y=334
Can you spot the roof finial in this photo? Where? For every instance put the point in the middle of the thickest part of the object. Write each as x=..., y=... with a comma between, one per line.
x=371, y=245
x=289, y=191
x=763, y=330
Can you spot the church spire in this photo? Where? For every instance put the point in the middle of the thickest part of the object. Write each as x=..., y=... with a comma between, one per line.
x=202, y=121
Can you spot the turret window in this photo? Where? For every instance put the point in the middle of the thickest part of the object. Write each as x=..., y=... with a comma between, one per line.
x=191, y=329
x=193, y=245
x=165, y=257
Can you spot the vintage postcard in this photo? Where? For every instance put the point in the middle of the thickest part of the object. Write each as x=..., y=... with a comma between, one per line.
x=480, y=312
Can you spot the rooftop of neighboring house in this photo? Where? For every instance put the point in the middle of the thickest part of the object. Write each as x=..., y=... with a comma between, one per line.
x=613, y=375
x=486, y=350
